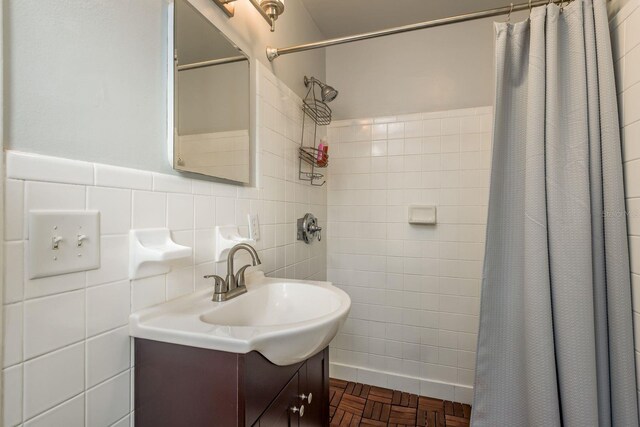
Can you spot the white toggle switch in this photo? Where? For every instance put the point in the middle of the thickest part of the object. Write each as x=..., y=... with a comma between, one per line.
x=62, y=242
x=55, y=242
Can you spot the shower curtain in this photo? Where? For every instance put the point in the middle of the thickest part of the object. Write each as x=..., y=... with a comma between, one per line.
x=555, y=345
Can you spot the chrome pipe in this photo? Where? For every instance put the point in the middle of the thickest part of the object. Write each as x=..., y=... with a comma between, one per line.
x=212, y=62
x=273, y=53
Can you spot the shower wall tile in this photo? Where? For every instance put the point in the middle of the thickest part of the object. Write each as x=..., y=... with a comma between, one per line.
x=12, y=397
x=631, y=73
x=415, y=288
x=34, y=288
x=12, y=335
x=48, y=169
x=53, y=322
x=630, y=141
x=118, y=177
x=632, y=35
x=114, y=205
x=108, y=307
x=53, y=378
x=13, y=220
x=631, y=104
x=67, y=358
x=69, y=414
x=626, y=35
x=109, y=401
x=107, y=355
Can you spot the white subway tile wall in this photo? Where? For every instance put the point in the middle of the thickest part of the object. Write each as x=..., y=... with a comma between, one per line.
x=625, y=32
x=68, y=358
x=414, y=288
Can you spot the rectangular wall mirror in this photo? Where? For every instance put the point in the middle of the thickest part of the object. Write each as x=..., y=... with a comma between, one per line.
x=211, y=102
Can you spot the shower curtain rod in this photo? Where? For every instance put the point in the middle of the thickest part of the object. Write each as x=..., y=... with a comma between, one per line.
x=273, y=52
x=211, y=62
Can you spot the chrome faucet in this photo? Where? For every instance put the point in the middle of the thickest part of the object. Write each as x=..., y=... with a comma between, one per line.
x=234, y=285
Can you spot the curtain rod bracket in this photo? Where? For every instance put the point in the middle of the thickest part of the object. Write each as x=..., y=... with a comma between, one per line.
x=272, y=53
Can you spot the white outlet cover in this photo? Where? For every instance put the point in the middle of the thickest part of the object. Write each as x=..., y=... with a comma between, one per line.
x=254, y=227
x=44, y=226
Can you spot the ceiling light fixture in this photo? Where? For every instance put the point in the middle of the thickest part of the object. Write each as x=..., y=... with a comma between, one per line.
x=227, y=7
x=269, y=9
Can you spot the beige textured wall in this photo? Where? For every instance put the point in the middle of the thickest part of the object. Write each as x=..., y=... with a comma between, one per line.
x=437, y=69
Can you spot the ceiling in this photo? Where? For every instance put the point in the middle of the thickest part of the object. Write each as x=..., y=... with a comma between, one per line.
x=336, y=18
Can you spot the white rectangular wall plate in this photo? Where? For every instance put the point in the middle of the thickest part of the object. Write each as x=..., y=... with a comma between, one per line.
x=422, y=214
x=62, y=242
x=254, y=227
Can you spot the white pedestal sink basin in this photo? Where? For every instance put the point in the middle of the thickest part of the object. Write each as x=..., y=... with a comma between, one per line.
x=287, y=321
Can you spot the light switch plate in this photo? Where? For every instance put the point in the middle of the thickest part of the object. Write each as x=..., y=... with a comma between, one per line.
x=62, y=242
x=254, y=227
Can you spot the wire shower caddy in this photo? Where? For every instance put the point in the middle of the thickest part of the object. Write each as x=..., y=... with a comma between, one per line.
x=319, y=113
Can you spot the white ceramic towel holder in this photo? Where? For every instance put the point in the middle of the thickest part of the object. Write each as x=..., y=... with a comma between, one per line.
x=150, y=251
x=227, y=237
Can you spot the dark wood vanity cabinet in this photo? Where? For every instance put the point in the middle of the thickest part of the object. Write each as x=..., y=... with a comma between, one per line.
x=280, y=412
x=178, y=386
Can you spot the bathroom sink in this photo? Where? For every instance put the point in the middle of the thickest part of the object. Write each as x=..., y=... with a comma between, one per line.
x=276, y=304
x=287, y=321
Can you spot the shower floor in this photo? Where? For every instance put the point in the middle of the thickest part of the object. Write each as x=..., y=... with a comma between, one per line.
x=355, y=404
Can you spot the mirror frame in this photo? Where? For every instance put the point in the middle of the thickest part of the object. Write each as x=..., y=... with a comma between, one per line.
x=214, y=16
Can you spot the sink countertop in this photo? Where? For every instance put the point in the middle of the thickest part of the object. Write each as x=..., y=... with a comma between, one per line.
x=285, y=320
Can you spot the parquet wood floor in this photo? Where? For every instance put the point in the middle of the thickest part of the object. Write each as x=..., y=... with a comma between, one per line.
x=355, y=404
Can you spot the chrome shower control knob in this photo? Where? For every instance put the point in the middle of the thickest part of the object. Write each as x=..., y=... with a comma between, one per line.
x=306, y=397
x=299, y=411
x=308, y=228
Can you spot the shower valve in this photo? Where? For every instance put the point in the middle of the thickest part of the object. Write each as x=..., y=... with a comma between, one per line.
x=308, y=228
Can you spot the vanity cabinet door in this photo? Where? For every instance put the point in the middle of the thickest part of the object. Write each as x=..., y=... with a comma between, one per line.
x=279, y=413
x=263, y=381
x=314, y=381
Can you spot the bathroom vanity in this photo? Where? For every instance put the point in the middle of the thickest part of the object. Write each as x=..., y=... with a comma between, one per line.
x=260, y=359
x=176, y=385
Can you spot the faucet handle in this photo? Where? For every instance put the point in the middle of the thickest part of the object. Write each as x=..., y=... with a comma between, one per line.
x=240, y=275
x=219, y=286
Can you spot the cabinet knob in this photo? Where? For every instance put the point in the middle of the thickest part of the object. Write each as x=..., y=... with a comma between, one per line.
x=299, y=411
x=306, y=397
